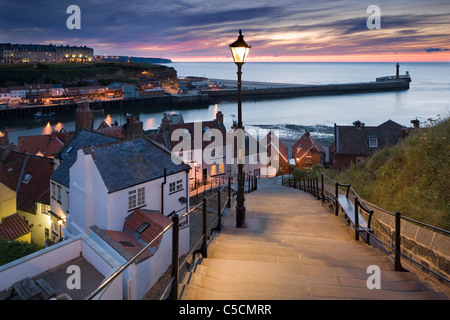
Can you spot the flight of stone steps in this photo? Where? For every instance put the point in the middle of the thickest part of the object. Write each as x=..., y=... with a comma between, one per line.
x=294, y=248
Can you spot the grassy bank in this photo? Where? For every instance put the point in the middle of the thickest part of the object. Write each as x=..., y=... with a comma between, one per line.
x=412, y=177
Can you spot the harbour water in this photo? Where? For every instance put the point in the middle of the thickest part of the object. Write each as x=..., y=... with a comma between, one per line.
x=428, y=97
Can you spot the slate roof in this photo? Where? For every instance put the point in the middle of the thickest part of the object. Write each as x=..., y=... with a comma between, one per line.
x=127, y=163
x=13, y=227
x=353, y=140
x=68, y=154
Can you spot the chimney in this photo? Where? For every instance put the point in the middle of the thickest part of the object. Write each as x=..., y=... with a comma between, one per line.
x=133, y=128
x=219, y=117
x=397, y=74
x=164, y=123
x=54, y=134
x=416, y=124
x=357, y=124
x=84, y=117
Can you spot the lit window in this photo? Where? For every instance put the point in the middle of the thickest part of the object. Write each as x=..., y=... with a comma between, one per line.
x=221, y=168
x=213, y=170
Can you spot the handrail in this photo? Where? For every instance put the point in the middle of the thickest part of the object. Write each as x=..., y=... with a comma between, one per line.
x=359, y=203
x=108, y=281
x=175, y=219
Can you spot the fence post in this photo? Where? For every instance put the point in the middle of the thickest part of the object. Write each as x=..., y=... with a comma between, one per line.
x=175, y=262
x=323, y=192
x=256, y=183
x=229, y=193
x=317, y=188
x=398, y=253
x=336, y=207
x=356, y=219
x=219, y=211
x=205, y=227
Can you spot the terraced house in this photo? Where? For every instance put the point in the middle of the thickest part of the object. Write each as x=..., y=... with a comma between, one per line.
x=37, y=53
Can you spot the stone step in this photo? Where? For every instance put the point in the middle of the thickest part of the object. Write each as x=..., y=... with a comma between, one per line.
x=264, y=267
x=298, y=244
x=312, y=292
x=301, y=259
x=410, y=283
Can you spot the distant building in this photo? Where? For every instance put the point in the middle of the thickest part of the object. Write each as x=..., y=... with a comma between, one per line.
x=352, y=144
x=307, y=152
x=32, y=53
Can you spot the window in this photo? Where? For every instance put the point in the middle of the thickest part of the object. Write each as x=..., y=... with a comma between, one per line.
x=373, y=142
x=142, y=227
x=136, y=198
x=53, y=191
x=221, y=168
x=176, y=186
x=127, y=243
x=27, y=178
x=58, y=193
x=213, y=170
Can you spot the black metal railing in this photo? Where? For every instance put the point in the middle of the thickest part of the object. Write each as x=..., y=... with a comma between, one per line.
x=173, y=294
x=311, y=185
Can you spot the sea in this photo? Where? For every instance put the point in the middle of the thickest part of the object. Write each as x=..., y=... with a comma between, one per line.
x=428, y=98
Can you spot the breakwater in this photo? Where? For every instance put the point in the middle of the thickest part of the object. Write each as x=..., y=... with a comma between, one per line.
x=306, y=90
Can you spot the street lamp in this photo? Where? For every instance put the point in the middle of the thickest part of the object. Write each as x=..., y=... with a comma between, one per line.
x=240, y=50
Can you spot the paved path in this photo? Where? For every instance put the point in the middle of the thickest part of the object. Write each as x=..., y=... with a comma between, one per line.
x=293, y=248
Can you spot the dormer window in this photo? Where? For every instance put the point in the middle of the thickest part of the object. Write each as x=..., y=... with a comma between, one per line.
x=373, y=142
x=26, y=179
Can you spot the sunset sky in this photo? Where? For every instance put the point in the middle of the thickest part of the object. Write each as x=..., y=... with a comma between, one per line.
x=200, y=30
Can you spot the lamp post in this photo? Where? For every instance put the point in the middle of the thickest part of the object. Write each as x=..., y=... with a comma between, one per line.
x=240, y=50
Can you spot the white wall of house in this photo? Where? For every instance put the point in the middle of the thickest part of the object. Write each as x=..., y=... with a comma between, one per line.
x=46, y=259
x=91, y=204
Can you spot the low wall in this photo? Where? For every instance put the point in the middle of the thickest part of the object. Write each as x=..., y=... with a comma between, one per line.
x=426, y=246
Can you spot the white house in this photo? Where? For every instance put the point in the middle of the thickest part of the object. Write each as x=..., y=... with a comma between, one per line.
x=123, y=194
x=60, y=179
x=108, y=182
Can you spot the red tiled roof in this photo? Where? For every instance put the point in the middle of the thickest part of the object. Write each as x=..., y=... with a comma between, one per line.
x=124, y=237
x=41, y=145
x=129, y=239
x=157, y=222
x=305, y=143
x=37, y=189
x=115, y=131
x=13, y=227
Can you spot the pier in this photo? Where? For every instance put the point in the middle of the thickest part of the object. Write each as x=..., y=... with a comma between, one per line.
x=261, y=90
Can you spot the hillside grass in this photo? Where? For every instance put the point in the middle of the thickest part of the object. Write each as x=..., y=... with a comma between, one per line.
x=412, y=177
x=70, y=74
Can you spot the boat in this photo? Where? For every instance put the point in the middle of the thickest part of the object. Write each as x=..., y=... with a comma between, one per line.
x=44, y=115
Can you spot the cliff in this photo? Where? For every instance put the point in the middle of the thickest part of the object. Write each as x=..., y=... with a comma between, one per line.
x=81, y=74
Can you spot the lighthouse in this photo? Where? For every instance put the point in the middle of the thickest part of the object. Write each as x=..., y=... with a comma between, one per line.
x=397, y=74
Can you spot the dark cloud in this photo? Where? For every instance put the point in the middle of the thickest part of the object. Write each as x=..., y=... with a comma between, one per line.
x=198, y=27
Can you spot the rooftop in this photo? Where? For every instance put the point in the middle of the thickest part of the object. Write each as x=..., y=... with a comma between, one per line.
x=127, y=163
x=68, y=154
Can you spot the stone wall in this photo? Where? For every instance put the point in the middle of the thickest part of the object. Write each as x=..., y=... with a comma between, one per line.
x=424, y=245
